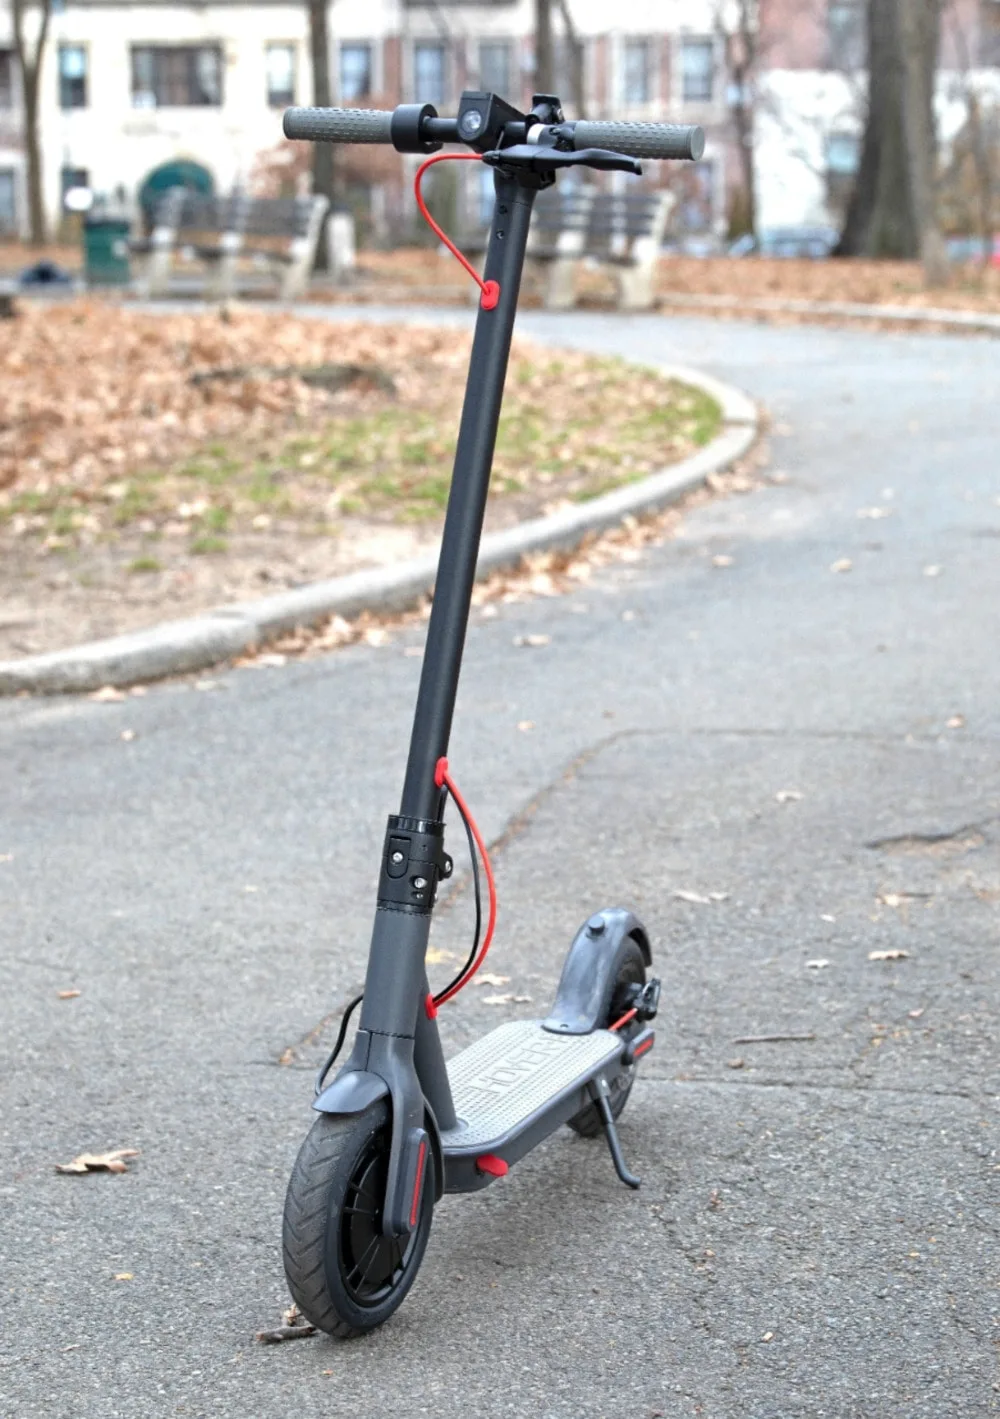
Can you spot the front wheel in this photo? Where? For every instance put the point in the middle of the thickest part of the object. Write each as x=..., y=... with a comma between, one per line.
x=344, y=1275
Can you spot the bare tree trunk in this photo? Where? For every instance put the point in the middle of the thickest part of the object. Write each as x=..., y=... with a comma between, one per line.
x=544, y=55
x=576, y=76
x=323, y=168
x=30, y=63
x=893, y=211
x=741, y=64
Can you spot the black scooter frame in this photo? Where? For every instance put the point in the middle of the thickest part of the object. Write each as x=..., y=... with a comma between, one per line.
x=397, y=1049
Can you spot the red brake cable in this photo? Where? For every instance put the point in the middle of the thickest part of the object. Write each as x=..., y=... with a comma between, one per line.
x=443, y=779
x=490, y=289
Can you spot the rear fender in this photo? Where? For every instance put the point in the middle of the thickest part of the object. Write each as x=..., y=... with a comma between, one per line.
x=590, y=969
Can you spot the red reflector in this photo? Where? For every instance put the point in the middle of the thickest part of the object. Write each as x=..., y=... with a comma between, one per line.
x=416, y=1186
x=490, y=1163
x=643, y=1048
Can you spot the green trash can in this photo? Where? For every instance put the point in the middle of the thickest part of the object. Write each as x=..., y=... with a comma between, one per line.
x=105, y=250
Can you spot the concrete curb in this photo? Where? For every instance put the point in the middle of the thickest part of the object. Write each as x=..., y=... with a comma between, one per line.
x=905, y=315
x=175, y=647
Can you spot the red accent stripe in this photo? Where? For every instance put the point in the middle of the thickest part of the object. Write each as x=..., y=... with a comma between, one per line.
x=490, y=1163
x=644, y=1048
x=629, y=1015
x=416, y=1186
x=490, y=289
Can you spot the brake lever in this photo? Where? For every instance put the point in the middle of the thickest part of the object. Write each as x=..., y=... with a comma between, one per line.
x=539, y=159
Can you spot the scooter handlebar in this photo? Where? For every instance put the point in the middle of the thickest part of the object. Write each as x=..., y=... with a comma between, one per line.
x=642, y=140
x=338, y=125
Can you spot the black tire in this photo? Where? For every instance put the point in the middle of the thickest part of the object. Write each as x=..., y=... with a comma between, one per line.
x=629, y=969
x=344, y=1276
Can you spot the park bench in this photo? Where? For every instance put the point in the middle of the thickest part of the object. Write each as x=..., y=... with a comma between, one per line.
x=223, y=231
x=623, y=231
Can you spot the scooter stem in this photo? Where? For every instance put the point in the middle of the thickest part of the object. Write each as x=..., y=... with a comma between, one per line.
x=463, y=525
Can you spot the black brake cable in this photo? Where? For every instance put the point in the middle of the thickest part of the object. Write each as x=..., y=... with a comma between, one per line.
x=345, y=1018
x=473, y=855
x=340, y=1042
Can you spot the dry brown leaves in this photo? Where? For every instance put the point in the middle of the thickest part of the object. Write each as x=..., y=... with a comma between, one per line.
x=92, y=390
x=113, y=1162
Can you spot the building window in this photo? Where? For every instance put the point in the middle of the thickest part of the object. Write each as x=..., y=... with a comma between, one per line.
x=697, y=70
x=495, y=67
x=72, y=76
x=6, y=78
x=178, y=76
x=845, y=34
x=280, y=60
x=8, y=203
x=355, y=71
x=637, y=72
x=429, y=73
x=70, y=178
x=843, y=155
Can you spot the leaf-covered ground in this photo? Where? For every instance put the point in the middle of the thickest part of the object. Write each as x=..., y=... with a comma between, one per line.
x=158, y=464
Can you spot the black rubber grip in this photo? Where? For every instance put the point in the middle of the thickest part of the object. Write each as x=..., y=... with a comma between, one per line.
x=338, y=125
x=642, y=140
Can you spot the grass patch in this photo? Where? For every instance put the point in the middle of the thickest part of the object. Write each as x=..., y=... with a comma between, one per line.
x=572, y=427
x=144, y=564
x=205, y=545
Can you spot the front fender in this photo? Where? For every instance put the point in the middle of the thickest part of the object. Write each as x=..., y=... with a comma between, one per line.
x=590, y=969
x=351, y=1093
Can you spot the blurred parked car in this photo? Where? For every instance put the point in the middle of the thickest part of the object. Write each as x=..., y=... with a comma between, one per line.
x=815, y=242
x=970, y=248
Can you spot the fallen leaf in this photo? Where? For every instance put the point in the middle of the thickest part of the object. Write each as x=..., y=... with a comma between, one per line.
x=932, y=571
x=819, y=964
x=436, y=956
x=99, y=1162
x=893, y=955
x=285, y=1332
x=124, y=1276
x=68, y=994
x=957, y=721
x=685, y=896
x=272, y=658
x=6, y=857
x=768, y=1335
x=533, y=641
x=107, y=695
x=916, y=1014
x=525, y=725
x=487, y=978
x=722, y=561
x=376, y=635
x=128, y=735
x=788, y=795
x=735, y=1063
x=874, y=512
x=506, y=999
x=825, y=916
x=842, y=564
x=629, y=615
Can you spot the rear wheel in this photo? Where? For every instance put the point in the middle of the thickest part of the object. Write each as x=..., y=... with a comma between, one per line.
x=629, y=970
x=344, y=1275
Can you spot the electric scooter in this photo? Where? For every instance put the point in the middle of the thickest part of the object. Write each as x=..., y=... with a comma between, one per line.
x=398, y=1127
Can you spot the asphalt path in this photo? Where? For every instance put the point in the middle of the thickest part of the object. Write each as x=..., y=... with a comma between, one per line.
x=816, y=1234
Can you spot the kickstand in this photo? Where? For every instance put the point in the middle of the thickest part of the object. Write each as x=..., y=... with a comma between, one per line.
x=598, y=1089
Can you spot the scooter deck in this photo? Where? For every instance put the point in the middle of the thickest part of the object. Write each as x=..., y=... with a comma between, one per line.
x=516, y=1085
